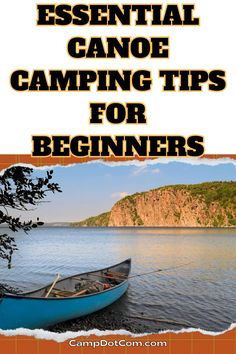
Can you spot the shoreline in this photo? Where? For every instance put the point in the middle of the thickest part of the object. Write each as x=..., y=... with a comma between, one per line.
x=70, y=226
x=106, y=319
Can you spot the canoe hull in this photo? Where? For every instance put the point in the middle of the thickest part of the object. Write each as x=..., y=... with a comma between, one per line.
x=35, y=310
x=33, y=313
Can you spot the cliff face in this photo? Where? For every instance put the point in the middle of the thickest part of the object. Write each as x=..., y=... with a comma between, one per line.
x=202, y=205
x=170, y=208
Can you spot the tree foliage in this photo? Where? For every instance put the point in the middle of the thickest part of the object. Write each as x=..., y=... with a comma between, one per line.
x=20, y=190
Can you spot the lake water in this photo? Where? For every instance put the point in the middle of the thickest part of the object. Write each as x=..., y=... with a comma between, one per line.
x=201, y=294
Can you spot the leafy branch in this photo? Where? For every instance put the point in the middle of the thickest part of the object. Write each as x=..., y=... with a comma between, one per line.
x=20, y=190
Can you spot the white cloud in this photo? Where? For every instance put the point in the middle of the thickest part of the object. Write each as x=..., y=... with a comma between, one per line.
x=140, y=170
x=156, y=171
x=119, y=195
x=144, y=169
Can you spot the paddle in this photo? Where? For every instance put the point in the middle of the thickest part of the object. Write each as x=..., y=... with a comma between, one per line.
x=138, y=275
x=53, y=284
x=159, y=270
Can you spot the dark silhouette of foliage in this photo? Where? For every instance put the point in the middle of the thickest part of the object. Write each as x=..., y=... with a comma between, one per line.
x=20, y=190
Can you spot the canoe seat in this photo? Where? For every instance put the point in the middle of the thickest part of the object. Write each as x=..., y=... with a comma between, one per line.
x=61, y=293
x=64, y=293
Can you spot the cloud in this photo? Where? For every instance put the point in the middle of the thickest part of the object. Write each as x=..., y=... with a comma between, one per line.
x=119, y=195
x=140, y=170
x=156, y=171
x=144, y=169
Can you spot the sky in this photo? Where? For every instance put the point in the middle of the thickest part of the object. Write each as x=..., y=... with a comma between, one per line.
x=93, y=188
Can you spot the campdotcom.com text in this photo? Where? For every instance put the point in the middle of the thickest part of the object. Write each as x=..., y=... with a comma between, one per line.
x=116, y=343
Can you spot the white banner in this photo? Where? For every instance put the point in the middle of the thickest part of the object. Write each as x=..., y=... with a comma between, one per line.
x=29, y=47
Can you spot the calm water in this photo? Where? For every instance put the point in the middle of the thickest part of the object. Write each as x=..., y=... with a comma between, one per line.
x=201, y=294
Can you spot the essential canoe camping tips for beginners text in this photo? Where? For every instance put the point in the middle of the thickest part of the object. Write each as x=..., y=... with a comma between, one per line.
x=92, y=80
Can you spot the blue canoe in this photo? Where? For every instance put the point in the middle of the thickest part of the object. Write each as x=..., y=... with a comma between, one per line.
x=68, y=298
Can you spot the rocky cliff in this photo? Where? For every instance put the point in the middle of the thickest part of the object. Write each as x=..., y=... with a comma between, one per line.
x=200, y=205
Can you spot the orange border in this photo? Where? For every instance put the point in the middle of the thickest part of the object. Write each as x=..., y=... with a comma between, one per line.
x=8, y=160
x=182, y=343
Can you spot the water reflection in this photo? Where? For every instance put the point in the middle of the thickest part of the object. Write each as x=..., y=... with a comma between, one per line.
x=201, y=293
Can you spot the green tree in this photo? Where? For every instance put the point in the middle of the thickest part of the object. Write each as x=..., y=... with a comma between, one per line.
x=20, y=190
